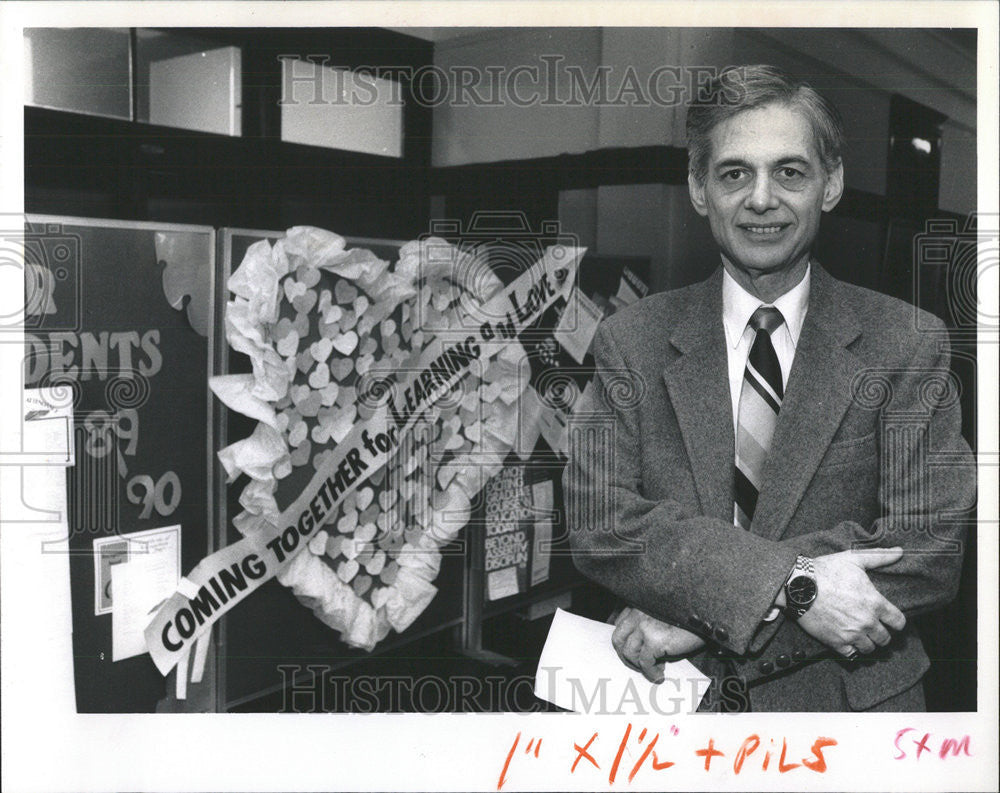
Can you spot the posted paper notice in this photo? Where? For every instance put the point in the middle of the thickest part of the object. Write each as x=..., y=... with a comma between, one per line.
x=140, y=584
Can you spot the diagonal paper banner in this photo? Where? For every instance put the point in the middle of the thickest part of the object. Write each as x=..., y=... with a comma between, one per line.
x=225, y=578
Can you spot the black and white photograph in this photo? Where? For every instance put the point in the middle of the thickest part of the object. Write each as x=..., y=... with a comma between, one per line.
x=525, y=397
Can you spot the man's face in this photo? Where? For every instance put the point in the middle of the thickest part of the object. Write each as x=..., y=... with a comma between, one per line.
x=766, y=188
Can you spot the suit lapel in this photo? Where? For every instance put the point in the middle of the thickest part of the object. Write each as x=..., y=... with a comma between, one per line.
x=816, y=398
x=698, y=385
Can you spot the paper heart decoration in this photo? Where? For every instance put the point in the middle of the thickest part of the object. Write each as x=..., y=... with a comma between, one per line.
x=289, y=344
x=294, y=289
x=320, y=377
x=346, y=342
x=347, y=316
x=304, y=302
x=340, y=369
x=344, y=291
x=320, y=350
x=364, y=497
x=307, y=275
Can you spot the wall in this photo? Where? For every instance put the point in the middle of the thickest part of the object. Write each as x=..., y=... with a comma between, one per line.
x=859, y=70
x=465, y=132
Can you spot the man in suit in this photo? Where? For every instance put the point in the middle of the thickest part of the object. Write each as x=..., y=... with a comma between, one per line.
x=781, y=486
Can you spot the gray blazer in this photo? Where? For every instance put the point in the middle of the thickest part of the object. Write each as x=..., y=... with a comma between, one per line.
x=867, y=452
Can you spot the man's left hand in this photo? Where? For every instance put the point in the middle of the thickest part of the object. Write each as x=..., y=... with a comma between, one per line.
x=641, y=641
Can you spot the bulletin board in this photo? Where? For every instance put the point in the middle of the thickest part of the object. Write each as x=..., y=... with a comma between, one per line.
x=525, y=500
x=120, y=322
x=273, y=629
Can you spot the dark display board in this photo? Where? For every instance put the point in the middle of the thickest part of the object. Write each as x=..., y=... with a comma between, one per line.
x=120, y=319
x=271, y=629
x=599, y=278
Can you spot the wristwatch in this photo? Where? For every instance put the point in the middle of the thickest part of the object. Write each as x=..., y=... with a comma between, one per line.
x=800, y=588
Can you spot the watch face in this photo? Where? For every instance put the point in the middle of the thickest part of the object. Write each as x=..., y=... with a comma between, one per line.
x=801, y=590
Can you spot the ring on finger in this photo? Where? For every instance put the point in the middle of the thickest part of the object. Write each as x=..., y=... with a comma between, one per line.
x=853, y=654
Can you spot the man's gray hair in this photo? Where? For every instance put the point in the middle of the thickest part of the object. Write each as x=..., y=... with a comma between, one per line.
x=742, y=88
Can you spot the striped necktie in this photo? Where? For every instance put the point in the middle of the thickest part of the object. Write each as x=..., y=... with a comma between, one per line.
x=760, y=401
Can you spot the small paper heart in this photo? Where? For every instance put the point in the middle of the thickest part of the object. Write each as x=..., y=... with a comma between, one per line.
x=317, y=544
x=348, y=320
x=307, y=275
x=281, y=328
x=346, y=342
x=346, y=570
x=310, y=406
x=329, y=394
x=320, y=377
x=365, y=496
x=361, y=305
x=344, y=291
x=388, y=574
x=289, y=345
x=380, y=595
x=320, y=350
x=348, y=522
x=301, y=453
x=301, y=324
x=362, y=584
x=349, y=547
x=376, y=563
x=340, y=369
x=293, y=288
x=304, y=303
x=383, y=522
x=319, y=434
x=304, y=361
x=366, y=553
x=325, y=300
x=387, y=498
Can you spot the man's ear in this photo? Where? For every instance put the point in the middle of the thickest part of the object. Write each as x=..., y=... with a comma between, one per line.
x=696, y=191
x=834, y=188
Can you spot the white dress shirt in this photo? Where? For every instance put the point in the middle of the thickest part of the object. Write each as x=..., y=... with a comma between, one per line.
x=738, y=306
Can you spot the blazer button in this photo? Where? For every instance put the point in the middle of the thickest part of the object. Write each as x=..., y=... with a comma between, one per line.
x=783, y=660
x=721, y=634
x=766, y=667
x=798, y=655
x=695, y=622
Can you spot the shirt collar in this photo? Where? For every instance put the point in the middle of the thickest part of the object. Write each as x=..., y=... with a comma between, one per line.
x=738, y=306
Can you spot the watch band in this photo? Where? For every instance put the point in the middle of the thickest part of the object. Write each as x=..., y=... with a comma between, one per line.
x=803, y=564
x=803, y=567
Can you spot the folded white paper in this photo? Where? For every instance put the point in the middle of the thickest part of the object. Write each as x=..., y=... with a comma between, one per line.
x=579, y=670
